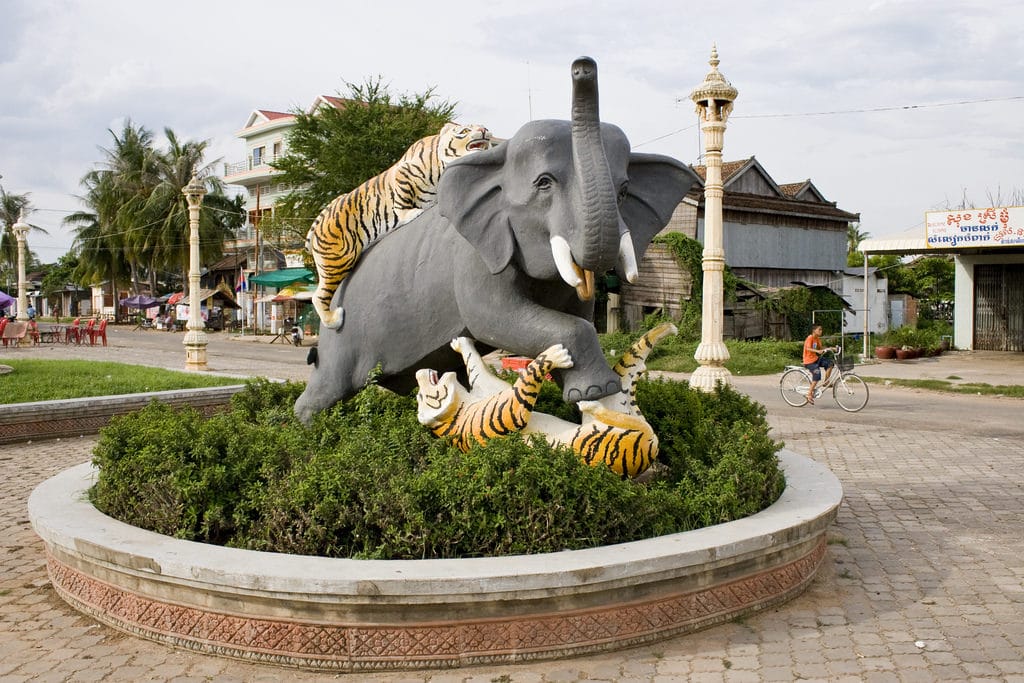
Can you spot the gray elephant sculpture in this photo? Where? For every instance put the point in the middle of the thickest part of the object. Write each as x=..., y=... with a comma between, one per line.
x=507, y=256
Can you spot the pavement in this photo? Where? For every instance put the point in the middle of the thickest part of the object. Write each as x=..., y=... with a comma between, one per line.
x=923, y=579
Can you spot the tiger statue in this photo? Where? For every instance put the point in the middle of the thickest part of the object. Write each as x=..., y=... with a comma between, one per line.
x=352, y=221
x=612, y=432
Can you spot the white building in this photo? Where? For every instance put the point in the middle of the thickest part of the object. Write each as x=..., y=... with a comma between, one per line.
x=870, y=310
x=988, y=252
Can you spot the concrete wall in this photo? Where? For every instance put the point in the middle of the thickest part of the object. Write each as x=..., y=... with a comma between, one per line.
x=963, y=295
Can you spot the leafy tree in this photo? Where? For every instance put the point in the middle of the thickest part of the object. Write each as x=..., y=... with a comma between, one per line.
x=11, y=207
x=854, y=236
x=167, y=209
x=136, y=218
x=335, y=148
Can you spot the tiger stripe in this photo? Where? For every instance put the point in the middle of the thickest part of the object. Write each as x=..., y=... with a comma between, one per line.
x=352, y=221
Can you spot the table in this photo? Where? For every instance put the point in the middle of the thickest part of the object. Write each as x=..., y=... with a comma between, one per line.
x=49, y=334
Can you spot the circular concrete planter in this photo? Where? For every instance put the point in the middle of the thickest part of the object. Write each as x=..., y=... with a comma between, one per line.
x=358, y=615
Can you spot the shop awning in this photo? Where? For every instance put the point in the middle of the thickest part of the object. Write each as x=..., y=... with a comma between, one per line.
x=282, y=277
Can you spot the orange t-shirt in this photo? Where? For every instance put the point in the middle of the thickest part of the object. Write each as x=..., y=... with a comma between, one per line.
x=811, y=342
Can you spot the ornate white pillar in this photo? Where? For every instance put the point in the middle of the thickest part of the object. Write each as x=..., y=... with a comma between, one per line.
x=195, y=338
x=21, y=229
x=714, y=98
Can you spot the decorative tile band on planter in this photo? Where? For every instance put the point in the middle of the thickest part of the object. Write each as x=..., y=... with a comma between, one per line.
x=360, y=615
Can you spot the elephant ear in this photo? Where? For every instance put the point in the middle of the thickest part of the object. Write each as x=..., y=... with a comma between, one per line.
x=656, y=186
x=469, y=195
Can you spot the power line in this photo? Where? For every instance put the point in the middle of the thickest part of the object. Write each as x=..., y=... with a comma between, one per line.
x=904, y=107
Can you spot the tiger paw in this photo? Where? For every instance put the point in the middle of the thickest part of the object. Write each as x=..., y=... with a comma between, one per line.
x=333, y=319
x=558, y=356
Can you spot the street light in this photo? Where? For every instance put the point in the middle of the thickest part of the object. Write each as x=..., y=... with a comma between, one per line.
x=195, y=338
x=21, y=229
x=714, y=98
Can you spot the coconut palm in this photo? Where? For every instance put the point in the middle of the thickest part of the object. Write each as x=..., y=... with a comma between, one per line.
x=12, y=207
x=854, y=236
x=167, y=209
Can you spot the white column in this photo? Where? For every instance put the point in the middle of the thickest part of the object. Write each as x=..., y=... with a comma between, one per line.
x=714, y=98
x=195, y=338
x=21, y=229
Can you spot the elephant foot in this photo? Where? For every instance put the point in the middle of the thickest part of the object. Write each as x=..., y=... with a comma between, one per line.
x=592, y=392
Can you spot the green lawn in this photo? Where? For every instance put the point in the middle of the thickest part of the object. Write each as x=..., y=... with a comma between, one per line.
x=980, y=388
x=50, y=380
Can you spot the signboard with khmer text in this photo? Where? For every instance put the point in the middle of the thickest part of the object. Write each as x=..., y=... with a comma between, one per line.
x=997, y=226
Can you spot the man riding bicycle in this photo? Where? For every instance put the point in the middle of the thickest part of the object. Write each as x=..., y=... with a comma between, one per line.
x=814, y=359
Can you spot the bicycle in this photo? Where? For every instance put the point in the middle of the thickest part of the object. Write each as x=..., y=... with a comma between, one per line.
x=849, y=391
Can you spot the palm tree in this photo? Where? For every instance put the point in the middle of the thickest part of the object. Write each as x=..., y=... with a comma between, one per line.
x=854, y=236
x=12, y=207
x=167, y=209
x=107, y=232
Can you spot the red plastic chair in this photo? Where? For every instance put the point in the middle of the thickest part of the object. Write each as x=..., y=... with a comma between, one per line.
x=33, y=332
x=99, y=332
x=73, y=332
x=86, y=332
x=3, y=324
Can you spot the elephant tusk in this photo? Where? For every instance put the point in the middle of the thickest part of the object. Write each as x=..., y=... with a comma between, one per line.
x=567, y=268
x=585, y=290
x=574, y=276
x=627, y=257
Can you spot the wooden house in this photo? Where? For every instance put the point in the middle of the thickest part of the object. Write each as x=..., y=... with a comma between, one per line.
x=774, y=235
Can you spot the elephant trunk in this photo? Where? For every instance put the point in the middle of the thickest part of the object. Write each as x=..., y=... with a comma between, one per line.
x=596, y=246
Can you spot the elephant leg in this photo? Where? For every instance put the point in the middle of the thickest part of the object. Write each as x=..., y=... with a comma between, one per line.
x=505, y=318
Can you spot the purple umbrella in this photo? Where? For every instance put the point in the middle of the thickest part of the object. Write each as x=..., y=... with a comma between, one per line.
x=6, y=300
x=140, y=301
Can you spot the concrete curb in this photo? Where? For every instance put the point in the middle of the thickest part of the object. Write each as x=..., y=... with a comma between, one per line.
x=349, y=615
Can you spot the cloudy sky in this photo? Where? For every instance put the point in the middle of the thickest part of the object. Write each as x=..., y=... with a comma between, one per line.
x=891, y=108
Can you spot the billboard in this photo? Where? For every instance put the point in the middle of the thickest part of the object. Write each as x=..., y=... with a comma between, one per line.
x=997, y=226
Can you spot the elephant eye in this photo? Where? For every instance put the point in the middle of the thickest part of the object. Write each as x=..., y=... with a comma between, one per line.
x=544, y=182
x=623, y=190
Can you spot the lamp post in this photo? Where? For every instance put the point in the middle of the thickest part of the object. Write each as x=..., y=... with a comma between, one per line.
x=714, y=98
x=21, y=229
x=195, y=338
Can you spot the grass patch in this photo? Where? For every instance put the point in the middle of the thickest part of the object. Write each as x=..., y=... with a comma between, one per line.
x=1014, y=391
x=52, y=380
x=766, y=357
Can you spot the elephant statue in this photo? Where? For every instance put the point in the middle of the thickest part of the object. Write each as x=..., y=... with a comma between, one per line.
x=506, y=256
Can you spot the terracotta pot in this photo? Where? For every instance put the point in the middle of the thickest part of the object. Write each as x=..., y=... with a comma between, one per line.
x=905, y=354
x=885, y=352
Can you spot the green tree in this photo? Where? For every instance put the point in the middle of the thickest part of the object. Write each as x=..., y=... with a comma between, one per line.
x=136, y=219
x=167, y=210
x=335, y=148
x=11, y=208
x=107, y=231
x=854, y=236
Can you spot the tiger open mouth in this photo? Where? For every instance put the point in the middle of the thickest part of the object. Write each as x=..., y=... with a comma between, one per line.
x=478, y=144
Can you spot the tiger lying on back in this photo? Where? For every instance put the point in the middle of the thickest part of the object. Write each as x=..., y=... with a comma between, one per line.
x=381, y=204
x=613, y=430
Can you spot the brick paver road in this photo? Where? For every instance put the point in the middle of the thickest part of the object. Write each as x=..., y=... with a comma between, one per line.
x=922, y=582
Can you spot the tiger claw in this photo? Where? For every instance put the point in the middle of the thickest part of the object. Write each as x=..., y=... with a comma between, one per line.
x=334, y=319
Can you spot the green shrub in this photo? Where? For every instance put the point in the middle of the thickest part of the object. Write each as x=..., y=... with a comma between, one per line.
x=367, y=480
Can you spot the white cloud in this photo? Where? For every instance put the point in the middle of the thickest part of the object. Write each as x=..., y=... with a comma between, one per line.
x=70, y=70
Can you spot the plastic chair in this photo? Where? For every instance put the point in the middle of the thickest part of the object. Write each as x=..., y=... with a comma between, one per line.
x=32, y=332
x=99, y=333
x=3, y=323
x=86, y=332
x=73, y=332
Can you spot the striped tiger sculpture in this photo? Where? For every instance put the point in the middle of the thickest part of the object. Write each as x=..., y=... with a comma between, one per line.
x=352, y=221
x=613, y=431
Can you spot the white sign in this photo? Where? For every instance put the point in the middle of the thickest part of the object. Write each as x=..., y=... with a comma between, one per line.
x=997, y=226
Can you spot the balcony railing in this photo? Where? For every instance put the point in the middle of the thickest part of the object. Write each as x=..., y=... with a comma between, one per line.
x=248, y=165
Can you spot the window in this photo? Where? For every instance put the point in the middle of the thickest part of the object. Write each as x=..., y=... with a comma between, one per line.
x=258, y=154
x=277, y=151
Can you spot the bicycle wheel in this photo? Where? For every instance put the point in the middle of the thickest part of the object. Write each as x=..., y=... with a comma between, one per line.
x=851, y=393
x=794, y=386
